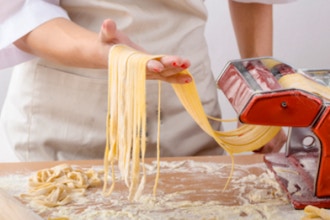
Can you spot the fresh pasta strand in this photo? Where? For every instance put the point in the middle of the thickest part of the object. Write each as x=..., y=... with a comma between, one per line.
x=242, y=139
x=126, y=117
x=127, y=70
x=232, y=142
x=158, y=138
x=59, y=185
x=222, y=120
x=126, y=120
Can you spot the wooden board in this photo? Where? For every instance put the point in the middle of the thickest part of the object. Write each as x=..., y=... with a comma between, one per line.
x=191, y=187
x=13, y=209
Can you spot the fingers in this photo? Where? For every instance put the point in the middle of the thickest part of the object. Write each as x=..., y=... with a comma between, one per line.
x=154, y=66
x=175, y=62
x=168, y=68
x=109, y=34
x=168, y=65
x=108, y=31
x=177, y=78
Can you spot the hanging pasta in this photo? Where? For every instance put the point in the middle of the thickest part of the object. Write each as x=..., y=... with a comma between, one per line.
x=126, y=120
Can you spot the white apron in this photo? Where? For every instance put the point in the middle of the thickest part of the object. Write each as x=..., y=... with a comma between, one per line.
x=54, y=112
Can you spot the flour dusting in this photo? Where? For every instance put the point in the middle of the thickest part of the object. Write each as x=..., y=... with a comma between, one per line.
x=187, y=190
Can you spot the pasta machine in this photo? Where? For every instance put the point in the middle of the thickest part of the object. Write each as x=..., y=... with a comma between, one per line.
x=253, y=89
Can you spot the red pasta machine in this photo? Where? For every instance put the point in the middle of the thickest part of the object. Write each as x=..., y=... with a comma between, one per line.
x=252, y=88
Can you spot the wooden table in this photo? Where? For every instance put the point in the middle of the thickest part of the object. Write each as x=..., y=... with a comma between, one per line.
x=189, y=188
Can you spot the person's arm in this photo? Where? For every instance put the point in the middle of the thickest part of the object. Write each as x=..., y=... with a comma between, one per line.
x=19, y=17
x=64, y=42
x=30, y=28
x=253, y=26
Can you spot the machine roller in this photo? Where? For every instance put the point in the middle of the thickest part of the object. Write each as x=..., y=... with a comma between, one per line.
x=253, y=89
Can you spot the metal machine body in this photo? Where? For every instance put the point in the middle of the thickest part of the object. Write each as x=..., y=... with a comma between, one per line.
x=252, y=88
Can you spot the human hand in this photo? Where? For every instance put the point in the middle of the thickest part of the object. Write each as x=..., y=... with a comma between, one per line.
x=165, y=68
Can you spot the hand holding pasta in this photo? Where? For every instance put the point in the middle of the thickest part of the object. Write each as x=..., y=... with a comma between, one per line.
x=166, y=68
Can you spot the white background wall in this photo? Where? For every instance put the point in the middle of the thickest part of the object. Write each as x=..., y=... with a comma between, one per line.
x=301, y=39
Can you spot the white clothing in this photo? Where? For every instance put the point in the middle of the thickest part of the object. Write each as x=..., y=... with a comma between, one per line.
x=18, y=18
x=33, y=13
x=54, y=112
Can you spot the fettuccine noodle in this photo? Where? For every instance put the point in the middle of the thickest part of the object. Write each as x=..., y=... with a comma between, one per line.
x=126, y=120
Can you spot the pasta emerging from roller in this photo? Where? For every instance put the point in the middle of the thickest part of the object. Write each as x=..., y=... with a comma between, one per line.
x=126, y=120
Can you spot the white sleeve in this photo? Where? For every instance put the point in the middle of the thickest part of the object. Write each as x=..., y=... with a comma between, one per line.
x=19, y=17
x=265, y=1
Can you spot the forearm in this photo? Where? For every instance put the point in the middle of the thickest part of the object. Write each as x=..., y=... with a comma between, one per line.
x=66, y=43
x=61, y=41
x=253, y=26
